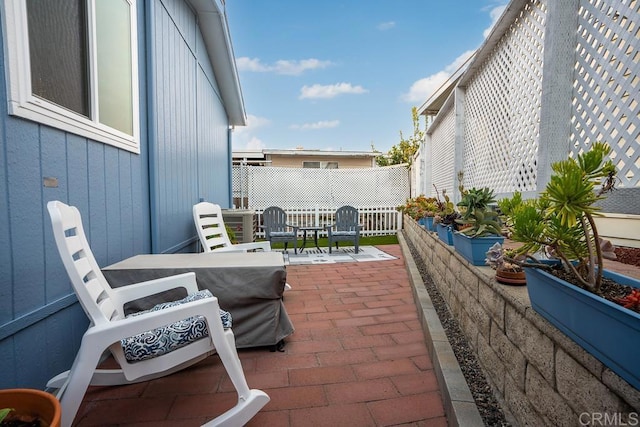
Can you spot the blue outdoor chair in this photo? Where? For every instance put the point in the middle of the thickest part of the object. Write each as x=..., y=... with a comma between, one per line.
x=345, y=228
x=276, y=229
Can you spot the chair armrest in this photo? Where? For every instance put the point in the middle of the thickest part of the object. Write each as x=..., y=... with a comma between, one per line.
x=244, y=247
x=143, y=289
x=133, y=325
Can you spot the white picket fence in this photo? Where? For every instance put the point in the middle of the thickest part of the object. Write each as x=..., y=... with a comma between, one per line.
x=375, y=221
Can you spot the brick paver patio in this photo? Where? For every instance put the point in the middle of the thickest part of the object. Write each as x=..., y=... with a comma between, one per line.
x=357, y=358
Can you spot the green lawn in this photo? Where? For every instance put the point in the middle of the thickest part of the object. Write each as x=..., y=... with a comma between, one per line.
x=391, y=239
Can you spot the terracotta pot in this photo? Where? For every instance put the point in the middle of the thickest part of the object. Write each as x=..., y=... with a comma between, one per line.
x=509, y=277
x=33, y=402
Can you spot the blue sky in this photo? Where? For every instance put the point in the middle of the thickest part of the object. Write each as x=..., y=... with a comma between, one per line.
x=343, y=75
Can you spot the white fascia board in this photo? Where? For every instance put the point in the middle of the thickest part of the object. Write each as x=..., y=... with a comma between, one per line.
x=321, y=153
x=217, y=40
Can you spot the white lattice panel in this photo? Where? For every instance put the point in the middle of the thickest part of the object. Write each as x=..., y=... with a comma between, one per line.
x=607, y=83
x=502, y=108
x=443, y=141
x=292, y=188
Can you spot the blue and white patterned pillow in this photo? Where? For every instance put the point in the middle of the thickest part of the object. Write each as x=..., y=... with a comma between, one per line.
x=171, y=337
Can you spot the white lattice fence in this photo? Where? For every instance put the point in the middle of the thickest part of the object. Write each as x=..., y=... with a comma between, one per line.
x=304, y=188
x=607, y=83
x=497, y=120
x=311, y=196
x=443, y=151
x=502, y=105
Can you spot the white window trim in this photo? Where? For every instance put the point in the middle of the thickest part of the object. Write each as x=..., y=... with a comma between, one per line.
x=22, y=103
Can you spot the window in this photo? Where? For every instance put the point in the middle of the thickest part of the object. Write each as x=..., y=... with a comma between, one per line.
x=320, y=165
x=72, y=64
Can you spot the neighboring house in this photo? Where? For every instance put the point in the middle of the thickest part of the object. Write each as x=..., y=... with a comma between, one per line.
x=124, y=110
x=301, y=158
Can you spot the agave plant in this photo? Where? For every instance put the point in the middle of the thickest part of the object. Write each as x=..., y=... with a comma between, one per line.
x=480, y=219
x=561, y=220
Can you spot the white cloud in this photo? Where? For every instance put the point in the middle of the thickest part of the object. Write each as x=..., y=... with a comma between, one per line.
x=255, y=144
x=330, y=91
x=287, y=67
x=384, y=26
x=323, y=124
x=494, y=14
x=244, y=136
x=422, y=89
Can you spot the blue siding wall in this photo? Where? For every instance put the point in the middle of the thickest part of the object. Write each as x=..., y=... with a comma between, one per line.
x=41, y=323
x=191, y=159
x=130, y=203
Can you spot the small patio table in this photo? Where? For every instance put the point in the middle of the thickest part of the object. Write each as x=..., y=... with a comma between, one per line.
x=315, y=230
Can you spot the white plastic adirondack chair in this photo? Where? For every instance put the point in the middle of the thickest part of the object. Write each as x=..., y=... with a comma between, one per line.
x=104, y=307
x=213, y=234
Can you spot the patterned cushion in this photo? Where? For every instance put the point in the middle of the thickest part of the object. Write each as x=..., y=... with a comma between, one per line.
x=171, y=337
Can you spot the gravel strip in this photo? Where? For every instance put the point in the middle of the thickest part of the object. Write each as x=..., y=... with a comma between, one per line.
x=490, y=410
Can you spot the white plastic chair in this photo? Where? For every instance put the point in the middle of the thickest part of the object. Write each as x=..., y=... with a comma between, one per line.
x=104, y=307
x=213, y=234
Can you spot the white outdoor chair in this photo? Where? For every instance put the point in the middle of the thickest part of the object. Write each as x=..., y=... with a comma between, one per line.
x=136, y=342
x=213, y=234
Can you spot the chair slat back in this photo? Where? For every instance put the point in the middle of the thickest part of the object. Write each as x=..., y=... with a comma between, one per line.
x=210, y=226
x=274, y=219
x=91, y=287
x=347, y=218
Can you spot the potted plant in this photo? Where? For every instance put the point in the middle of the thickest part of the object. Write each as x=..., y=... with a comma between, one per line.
x=29, y=407
x=445, y=218
x=429, y=211
x=508, y=271
x=422, y=209
x=478, y=228
x=594, y=307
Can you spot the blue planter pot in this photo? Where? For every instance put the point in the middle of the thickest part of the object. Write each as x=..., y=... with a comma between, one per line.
x=427, y=223
x=422, y=221
x=444, y=233
x=474, y=249
x=607, y=330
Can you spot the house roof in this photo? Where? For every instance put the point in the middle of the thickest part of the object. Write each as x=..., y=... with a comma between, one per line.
x=217, y=40
x=323, y=153
x=435, y=102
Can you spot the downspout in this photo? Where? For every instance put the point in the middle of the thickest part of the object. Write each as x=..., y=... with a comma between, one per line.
x=230, y=166
x=152, y=124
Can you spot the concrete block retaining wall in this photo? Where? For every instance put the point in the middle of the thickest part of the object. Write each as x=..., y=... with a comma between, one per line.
x=543, y=376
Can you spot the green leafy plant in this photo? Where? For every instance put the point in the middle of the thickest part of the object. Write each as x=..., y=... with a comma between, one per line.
x=4, y=412
x=561, y=220
x=420, y=207
x=232, y=234
x=447, y=213
x=478, y=217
